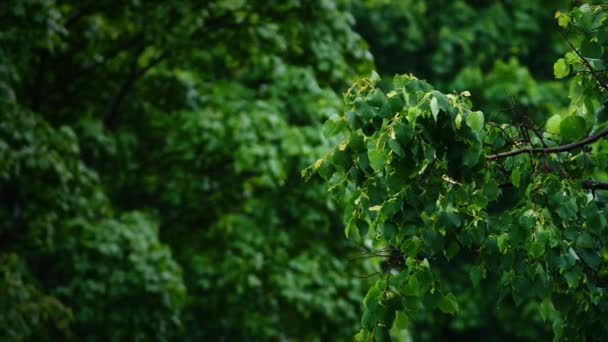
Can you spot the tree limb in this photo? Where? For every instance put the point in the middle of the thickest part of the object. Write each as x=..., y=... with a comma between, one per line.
x=114, y=105
x=594, y=185
x=563, y=148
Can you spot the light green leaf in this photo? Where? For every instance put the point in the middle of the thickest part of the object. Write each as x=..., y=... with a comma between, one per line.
x=475, y=120
x=377, y=158
x=563, y=19
x=546, y=308
x=501, y=240
x=375, y=77
x=434, y=108
x=401, y=320
x=553, y=124
x=458, y=121
x=561, y=69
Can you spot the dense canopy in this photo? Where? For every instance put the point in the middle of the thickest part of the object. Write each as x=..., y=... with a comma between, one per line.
x=311, y=170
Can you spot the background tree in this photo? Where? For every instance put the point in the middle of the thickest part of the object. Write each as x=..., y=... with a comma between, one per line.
x=150, y=169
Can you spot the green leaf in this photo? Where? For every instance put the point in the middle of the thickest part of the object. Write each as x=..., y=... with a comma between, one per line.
x=476, y=273
x=572, y=128
x=376, y=98
x=561, y=69
x=591, y=49
x=354, y=121
x=452, y=250
x=334, y=125
x=553, y=124
x=362, y=226
x=402, y=320
x=357, y=143
x=411, y=246
x=434, y=108
x=377, y=158
x=363, y=335
x=537, y=249
x=403, y=132
x=490, y=190
x=381, y=334
x=375, y=78
x=458, y=121
x=363, y=109
x=471, y=155
x=515, y=178
x=396, y=148
x=563, y=19
x=585, y=240
x=395, y=101
x=449, y=304
x=475, y=120
x=546, y=309
x=390, y=208
x=341, y=159
x=411, y=287
x=602, y=36
x=501, y=240
x=373, y=310
x=572, y=277
x=590, y=257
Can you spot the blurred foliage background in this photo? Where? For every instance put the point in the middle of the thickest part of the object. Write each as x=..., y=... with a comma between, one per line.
x=150, y=157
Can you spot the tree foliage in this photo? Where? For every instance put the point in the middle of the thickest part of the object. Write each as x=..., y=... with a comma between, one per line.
x=151, y=157
x=483, y=220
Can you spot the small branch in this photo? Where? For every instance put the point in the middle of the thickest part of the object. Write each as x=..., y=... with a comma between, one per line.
x=594, y=185
x=557, y=149
x=112, y=111
x=37, y=91
x=586, y=62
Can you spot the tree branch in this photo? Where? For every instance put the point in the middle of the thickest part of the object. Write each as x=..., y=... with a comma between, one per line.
x=586, y=62
x=37, y=90
x=135, y=73
x=563, y=148
x=594, y=185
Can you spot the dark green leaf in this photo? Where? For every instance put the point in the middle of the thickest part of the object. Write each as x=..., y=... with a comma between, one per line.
x=449, y=304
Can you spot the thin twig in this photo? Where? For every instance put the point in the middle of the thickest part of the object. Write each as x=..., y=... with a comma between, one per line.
x=585, y=61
